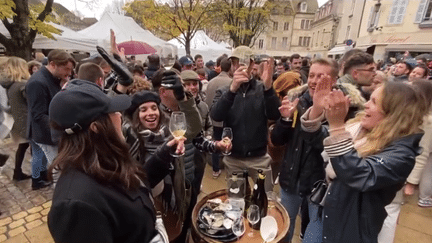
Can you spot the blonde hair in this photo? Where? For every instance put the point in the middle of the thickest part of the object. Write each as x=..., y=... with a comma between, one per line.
x=16, y=69
x=403, y=109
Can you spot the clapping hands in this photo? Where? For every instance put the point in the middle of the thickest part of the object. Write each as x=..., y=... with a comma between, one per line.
x=332, y=101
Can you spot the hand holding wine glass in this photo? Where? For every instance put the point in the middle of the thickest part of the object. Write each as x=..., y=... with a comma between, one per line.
x=227, y=136
x=177, y=127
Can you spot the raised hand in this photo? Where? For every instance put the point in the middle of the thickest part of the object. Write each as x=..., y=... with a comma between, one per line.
x=267, y=73
x=288, y=107
x=241, y=75
x=171, y=80
x=336, y=109
x=320, y=96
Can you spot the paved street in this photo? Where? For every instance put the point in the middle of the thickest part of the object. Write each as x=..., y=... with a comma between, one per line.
x=24, y=212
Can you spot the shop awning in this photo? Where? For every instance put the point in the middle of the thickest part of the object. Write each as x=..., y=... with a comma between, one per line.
x=409, y=47
x=339, y=50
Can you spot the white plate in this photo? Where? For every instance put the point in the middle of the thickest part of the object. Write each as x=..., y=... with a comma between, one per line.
x=268, y=228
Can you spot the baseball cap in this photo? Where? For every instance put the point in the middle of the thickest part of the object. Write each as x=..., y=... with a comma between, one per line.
x=80, y=103
x=242, y=53
x=189, y=75
x=185, y=60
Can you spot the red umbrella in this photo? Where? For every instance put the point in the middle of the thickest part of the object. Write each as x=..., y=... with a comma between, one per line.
x=136, y=48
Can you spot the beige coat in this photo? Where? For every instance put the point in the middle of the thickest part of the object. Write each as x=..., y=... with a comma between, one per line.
x=424, y=157
x=223, y=79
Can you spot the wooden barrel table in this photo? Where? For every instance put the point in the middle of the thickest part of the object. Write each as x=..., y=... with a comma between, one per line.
x=275, y=209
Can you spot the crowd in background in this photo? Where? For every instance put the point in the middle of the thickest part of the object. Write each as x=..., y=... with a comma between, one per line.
x=100, y=127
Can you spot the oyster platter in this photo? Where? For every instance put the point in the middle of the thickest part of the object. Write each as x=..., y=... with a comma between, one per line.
x=215, y=220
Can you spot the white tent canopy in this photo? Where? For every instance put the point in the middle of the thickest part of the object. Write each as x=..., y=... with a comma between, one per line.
x=202, y=44
x=126, y=29
x=68, y=40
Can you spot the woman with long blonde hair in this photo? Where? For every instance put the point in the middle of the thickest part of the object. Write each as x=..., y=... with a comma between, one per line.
x=13, y=78
x=370, y=156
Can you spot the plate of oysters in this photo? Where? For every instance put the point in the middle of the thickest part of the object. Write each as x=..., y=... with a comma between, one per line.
x=215, y=220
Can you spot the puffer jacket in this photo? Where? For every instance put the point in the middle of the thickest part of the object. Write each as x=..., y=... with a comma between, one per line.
x=246, y=112
x=18, y=103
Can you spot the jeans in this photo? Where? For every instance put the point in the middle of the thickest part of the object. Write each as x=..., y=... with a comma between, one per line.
x=292, y=203
x=42, y=157
x=217, y=135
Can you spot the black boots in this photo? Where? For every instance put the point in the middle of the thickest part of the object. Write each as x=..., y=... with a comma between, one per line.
x=40, y=182
x=3, y=159
x=19, y=175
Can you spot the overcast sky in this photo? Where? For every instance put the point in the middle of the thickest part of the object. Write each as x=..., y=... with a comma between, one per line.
x=97, y=12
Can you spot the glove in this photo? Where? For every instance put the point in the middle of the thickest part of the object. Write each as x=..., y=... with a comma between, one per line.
x=125, y=77
x=171, y=80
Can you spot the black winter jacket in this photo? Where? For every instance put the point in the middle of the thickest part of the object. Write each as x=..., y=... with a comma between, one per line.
x=303, y=164
x=40, y=89
x=246, y=112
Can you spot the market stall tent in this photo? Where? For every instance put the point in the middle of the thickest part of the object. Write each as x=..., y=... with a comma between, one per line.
x=201, y=44
x=67, y=40
x=126, y=29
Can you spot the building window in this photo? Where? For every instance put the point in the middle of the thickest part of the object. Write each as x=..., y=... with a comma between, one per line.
x=303, y=7
x=275, y=26
x=424, y=12
x=347, y=35
x=352, y=6
x=261, y=44
x=300, y=40
x=284, y=42
x=316, y=41
x=273, y=45
x=287, y=11
x=305, y=24
x=313, y=37
x=373, y=17
x=306, y=41
x=397, y=11
x=286, y=26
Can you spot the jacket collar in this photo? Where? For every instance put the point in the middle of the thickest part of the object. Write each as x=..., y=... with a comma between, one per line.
x=347, y=78
x=45, y=72
x=224, y=74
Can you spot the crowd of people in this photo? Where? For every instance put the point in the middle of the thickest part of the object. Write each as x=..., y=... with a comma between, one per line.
x=98, y=129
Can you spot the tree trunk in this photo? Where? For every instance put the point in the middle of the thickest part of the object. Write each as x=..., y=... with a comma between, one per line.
x=187, y=45
x=24, y=51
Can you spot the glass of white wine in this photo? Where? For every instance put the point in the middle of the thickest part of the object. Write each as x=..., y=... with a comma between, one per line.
x=227, y=137
x=177, y=127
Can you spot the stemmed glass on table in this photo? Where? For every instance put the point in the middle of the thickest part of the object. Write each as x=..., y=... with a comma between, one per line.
x=253, y=216
x=227, y=136
x=177, y=127
x=238, y=227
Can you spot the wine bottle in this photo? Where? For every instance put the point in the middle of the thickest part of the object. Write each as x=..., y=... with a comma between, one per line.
x=259, y=197
x=248, y=192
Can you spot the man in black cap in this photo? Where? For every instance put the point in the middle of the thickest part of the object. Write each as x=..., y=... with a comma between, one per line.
x=186, y=63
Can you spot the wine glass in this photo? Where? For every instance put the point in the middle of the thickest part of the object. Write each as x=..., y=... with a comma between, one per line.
x=253, y=216
x=177, y=127
x=227, y=137
x=238, y=227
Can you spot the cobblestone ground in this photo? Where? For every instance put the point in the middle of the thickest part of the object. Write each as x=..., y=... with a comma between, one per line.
x=22, y=208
